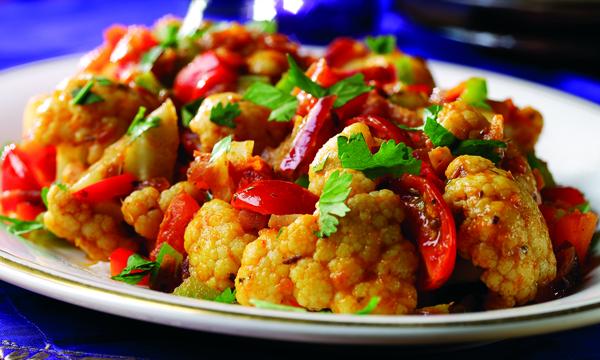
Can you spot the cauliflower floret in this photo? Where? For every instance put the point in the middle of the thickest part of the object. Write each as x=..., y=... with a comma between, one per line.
x=215, y=241
x=326, y=161
x=87, y=129
x=96, y=229
x=168, y=195
x=142, y=211
x=251, y=124
x=503, y=231
x=466, y=122
x=366, y=257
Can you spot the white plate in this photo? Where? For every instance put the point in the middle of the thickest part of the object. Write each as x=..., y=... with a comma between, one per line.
x=62, y=272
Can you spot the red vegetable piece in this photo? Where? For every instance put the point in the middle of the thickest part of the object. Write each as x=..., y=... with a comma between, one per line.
x=180, y=212
x=352, y=108
x=276, y=197
x=107, y=189
x=131, y=47
x=28, y=211
x=42, y=162
x=118, y=261
x=309, y=138
x=422, y=88
x=382, y=128
x=343, y=50
x=200, y=76
x=431, y=223
x=565, y=197
x=454, y=93
x=16, y=173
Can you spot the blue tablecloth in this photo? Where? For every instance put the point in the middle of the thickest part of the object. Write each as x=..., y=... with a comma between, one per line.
x=31, y=324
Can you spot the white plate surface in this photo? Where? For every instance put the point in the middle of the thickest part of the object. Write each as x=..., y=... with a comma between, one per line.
x=57, y=270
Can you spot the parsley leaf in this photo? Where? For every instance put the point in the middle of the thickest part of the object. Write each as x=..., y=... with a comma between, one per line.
x=301, y=80
x=331, y=203
x=137, y=267
x=348, y=88
x=225, y=115
x=391, y=158
x=226, y=297
x=475, y=93
x=303, y=181
x=437, y=133
x=141, y=124
x=383, y=44
x=263, y=26
x=245, y=81
x=285, y=84
x=370, y=307
x=404, y=70
x=148, y=81
x=103, y=81
x=44, y=194
x=19, y=227
x=542, y=167
x=283, y=105
x=85, y=96
x=483, y=148
x=261, y=304
x=189, y=110
x=221, y=148
x=169, y=41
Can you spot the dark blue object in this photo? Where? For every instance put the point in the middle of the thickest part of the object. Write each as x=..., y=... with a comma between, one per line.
x=39, y=29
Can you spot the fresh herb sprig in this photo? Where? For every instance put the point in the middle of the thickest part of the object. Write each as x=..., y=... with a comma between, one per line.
x=225, y=115
x=331, y=204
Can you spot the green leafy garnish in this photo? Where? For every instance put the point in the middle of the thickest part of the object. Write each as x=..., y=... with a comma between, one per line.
x=370, y=307
x=148, y=81
x=84, y=95
x=584, y=208
x=348, y=88
x=221, y=148
x=437, y=133
x=285, y=84
x=189, y=110
x=226, y=297
x=141, y=124
x=440, y=136
x=542, y=167
x=391, y=158
x=225, y=115
x=20, y=227
x=169, y=41
x=475, y=93
x=137, y=267
x=263, y=26
x=245, y=81
x=283, y=105
x=44, y=194
x=483, y=148
x=383, y=44
x=303, y=181
x=331, y=203
x=404, y=70
x=261, y=304
x=103, y=81
x=301, y=80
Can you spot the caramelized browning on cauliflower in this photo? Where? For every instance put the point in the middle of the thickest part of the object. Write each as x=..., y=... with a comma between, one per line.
x=141, y=210
x=503, y=231
x=366, y=257
x=215, y=240
x=97, y=229
x=467, y=122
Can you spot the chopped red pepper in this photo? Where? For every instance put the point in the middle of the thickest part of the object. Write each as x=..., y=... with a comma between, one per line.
x=118, y=261
x=565, y=197
x=343, y=50
x=422, y=88
x=382, y=128
x=276, y=197
x=454, y=93
x=310, y=137
x=431, y=223
x=16, y=174
x=201, y=75
x=178, y=215
x=107, y=189
x=42, y=162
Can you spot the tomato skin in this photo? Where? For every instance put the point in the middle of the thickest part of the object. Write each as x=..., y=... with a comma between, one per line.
x=118, y=261
x=275, y=197
x=180, y=212
x=563, y=196
x=382, y=128
x=422, y=88
x=201, y=75
x=431, y=222
x=107, y=189
x=16, y=172
x=317, y=128
x=454, y=93
x=343, y=50
x=42, y=162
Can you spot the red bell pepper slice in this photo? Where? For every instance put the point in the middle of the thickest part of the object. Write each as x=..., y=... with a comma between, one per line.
x=16, y=173
x=178, y=215
x=575, y=228
x=422, y=88
x=118, y=261
x=107, y=189
x=454, y=93
x=42, y=162
x=382, y=128
x=316, y=130
x=565, y=197
x=276, y=197
x=201, y=75
x=431, y=223
x=343, y=50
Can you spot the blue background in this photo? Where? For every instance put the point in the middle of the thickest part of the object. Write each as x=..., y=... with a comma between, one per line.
x=29, y=323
